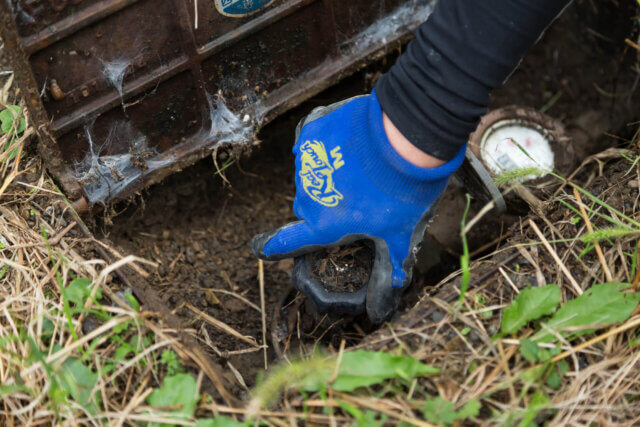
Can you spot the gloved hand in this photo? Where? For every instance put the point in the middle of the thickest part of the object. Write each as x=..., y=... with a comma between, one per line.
x=351, y=184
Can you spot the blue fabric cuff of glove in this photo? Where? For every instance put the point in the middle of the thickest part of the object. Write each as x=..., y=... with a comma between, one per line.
x=389, y=171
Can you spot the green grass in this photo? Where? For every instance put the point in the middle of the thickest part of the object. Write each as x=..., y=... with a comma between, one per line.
x=515, y=175
x=464, y=258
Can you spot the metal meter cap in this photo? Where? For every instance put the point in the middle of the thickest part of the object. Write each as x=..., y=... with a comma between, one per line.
x=514, y=138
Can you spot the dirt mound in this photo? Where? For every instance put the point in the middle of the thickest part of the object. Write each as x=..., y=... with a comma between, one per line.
x=343, y=269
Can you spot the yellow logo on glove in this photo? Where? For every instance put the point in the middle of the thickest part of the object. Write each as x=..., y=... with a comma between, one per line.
x=316, y=172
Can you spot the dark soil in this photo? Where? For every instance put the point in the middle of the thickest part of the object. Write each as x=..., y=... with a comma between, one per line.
x=345, y=268
x=197, y=228
x=198, y=232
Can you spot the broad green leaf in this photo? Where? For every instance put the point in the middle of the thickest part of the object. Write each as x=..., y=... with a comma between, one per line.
x=140, y=342
x=530, y=304
x=532, y=375
x=350, y=409
x=48, y=328
x=78, y=291
x=538, y=402
x=440, y=411
x=371, y=419
x=553, y=380
x=563, y=367
x=107, y=368
x=219, y=422
x=600, y=305
x=8, y=390
x=558, y=370
x=8, y=116
x=529, y=350
x=471, y=409
x=4, y=270
x=362, y=368
x=358, y=368
x=171, y=359
x=178, y=390
x=546, y=354
x=121, y=327
x=79, y=380
x=133, y=302
x=122, y=352
x=487, y=314
x=367, y=418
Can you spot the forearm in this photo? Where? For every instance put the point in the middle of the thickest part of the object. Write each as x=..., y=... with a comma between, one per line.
x=439, y=88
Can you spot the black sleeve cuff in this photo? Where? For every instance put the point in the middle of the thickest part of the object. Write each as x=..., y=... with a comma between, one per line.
x=439, y=88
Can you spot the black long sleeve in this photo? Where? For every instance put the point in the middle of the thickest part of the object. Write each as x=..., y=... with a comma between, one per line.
x=439, y=88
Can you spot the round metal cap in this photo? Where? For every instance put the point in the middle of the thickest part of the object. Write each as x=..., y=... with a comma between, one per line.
x=520, y=138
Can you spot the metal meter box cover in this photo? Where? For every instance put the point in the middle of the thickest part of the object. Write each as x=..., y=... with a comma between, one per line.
x=123, y=92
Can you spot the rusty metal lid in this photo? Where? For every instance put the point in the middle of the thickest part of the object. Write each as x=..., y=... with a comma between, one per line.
x=124, y=92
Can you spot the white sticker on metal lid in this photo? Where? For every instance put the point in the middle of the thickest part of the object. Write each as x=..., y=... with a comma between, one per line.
x=512, y=144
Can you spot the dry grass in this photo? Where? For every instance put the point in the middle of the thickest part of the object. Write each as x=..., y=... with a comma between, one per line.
x=55, y=367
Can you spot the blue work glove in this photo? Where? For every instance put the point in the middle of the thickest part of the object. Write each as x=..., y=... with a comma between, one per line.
x=351, y=184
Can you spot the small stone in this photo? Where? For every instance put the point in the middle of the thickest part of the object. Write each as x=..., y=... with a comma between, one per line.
x=234, y=304
x=121, y=295
x=437, y=316
x=211, y=298
x=188, y=255
x=582, y=363
x=24, y=213
x=90, y=324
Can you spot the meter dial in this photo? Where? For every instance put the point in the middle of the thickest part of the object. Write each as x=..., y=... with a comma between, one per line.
x=516, y=144
x=514, y=138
